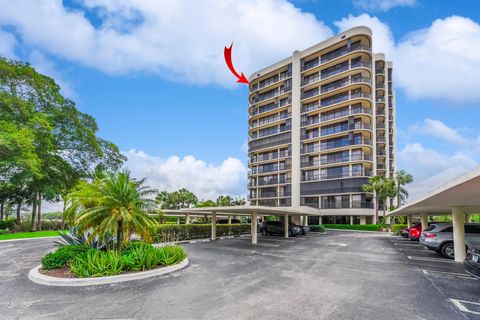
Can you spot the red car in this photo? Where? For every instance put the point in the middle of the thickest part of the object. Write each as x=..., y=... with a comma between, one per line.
x=415, y=232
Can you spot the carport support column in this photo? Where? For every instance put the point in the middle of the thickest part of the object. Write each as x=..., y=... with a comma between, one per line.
x=351, y=220
x=409, y=221
x=214, y=225
x=424, y=220
x=305, y=220
x=187, y=219
x=363, y=220
x=458, y=221
x=253, y=228
x=285, y=225
x=468, y=218
x=229, y=219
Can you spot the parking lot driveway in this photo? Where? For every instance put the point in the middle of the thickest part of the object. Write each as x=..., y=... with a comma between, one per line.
x=341, y=275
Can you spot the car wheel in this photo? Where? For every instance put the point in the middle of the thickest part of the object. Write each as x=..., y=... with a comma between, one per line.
x=264, y=232
x=447, y=250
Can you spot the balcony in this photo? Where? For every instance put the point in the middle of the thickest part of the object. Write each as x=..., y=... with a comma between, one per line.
x=381, y=139
x=264, y=195
x=334, y=100
x=270, y=94
x=334, y=160
x=270, y=156
x=271, y=106
x=380, y=100
x=336, y=115
x=336, y=85
x=275, y=180
x=277, y=78
x=380, y=71
x=336, y=129
x=380, y=112
x=342, y=68
x=270, y=133
x=276, y=168
x=327, y=145
x=333, y=55
x=268, y=120
x=348, y=205
x=380, y=86
x=337, y=175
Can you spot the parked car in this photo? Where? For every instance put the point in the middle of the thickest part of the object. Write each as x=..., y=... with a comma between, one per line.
x=305, y=229
x=415, y=232
x=439, y=237
x=277, y=227
x=404, y=233
x=472, y=262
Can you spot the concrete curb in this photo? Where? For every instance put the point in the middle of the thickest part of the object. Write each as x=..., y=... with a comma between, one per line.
x=23, y=239
x=35, y=276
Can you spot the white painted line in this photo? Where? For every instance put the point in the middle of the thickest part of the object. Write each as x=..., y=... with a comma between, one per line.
x=431, y=259
x=337, y=244
x=407, y=244
x=460, y=304
x=414, y=249
x=449, y=274
x=235, y=250
x=277, y=240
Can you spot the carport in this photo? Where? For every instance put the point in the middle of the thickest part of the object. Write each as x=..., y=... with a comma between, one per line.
x=298, y=213
x=459, y=197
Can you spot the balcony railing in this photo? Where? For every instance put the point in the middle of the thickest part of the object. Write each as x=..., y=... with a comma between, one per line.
x=381, y=139
x=342, y=68
x=327, y=145
x=336, y=115
x=268, y=120
x=267, y=169
x=271, y=80
x=264, y=182
x=325, y=161
x=264, y=195
x=336, y=129
x=271, y=106
x=338, y=175
x=270, y=133
x=333, y=55
x=271, y=94
x=271, y=156
x=380, y=71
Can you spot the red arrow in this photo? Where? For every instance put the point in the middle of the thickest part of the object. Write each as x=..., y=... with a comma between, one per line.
x=227, y=52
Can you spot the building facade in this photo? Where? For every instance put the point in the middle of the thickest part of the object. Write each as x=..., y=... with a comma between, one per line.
x=321, y=122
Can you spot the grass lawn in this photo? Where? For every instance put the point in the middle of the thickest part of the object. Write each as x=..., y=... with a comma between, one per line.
x=26, y=235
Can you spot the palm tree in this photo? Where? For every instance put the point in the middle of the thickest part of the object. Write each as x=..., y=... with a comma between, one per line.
x=374, y=186
x=115, y=204
x=402, y=178
x=387, y=190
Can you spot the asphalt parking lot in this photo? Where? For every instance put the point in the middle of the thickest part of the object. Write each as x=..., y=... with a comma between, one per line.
x=340, y=275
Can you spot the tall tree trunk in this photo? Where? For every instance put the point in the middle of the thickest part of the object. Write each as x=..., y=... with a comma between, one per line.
x=63, y=211
x=398, y=196
x=34, y=211
x=19, y=208
x=2, y=204
x=119, y=235
x=39, y=212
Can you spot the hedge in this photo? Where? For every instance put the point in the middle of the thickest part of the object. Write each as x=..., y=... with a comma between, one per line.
x=26, y=225
x=367, y=227
x=180, y=232
x=397, y=228
x=317, y=228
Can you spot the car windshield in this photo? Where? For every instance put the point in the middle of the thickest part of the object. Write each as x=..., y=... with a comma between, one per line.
x=430, y=228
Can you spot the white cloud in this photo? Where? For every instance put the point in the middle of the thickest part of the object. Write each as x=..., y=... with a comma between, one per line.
x=178, y=40
x=431, y=169
x=382, y=36
x=439, y=62
x=7, y=45
x=438, y=129
x=207, y=181
x=383, y=5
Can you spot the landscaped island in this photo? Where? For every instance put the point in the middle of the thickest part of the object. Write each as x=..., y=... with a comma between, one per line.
x=82, y=261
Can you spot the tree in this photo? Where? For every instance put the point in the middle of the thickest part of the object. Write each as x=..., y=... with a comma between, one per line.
x=374, y=186
x=224, y=201
x=205, y=204
x=179, y=199
x=402, y=178
x=387, y=190
x=120, y=207
x=46, y=143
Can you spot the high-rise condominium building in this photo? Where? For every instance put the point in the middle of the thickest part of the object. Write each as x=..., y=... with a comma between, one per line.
x=321, y=122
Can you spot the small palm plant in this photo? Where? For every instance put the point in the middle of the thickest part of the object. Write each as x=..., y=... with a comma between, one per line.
x=117, y=205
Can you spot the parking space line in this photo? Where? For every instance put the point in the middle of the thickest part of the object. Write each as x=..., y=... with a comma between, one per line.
x=277, y=240
x=258, y=243
x=448, y=274
x=235, y=250
x=431, y=259
x=414, y=249
x=407, y=244
x=460, y=304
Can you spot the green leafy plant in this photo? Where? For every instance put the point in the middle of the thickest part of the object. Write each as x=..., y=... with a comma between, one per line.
x=171, y=233
x=366, y=227
x=97, y=263
x=62, y=256
x=83, y=238
x=171, y=255
x=397, y=228
x=317, y=228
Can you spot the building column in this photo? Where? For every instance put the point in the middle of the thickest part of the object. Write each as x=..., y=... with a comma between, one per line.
x=178, y=220
x=424, y=220
x=320, y=220
x=458, y=221
x=253, y=228
x=409, y=221
x=468, y=218
x=305, y=220
x=229, y=219
x=214, y=225
x=285, y=225
x=363, y=220
x=351, y=220
x=296, y=130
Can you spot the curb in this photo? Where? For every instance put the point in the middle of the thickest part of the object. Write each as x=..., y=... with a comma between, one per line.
x=350, y=230
x=33, y=238
x=35, y=276
x=198, y=240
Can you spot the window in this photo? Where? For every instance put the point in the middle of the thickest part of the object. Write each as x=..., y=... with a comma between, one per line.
x=448, y=229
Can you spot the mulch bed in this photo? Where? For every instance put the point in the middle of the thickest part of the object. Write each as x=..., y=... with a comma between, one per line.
x=58, y=273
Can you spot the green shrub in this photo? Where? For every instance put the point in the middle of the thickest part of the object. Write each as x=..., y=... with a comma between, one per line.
x=317, y=228
x=8, y=223
x=138, y=256
x=63, y=255
x=97, y=263
x=397, y=228
x=366, y=227
x=46, y=225
x=180, y=232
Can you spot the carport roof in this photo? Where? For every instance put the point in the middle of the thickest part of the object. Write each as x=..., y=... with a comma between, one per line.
x=248, y=210
x=463, y=191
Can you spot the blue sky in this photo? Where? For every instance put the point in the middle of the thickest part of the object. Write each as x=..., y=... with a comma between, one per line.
x=152, y=74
